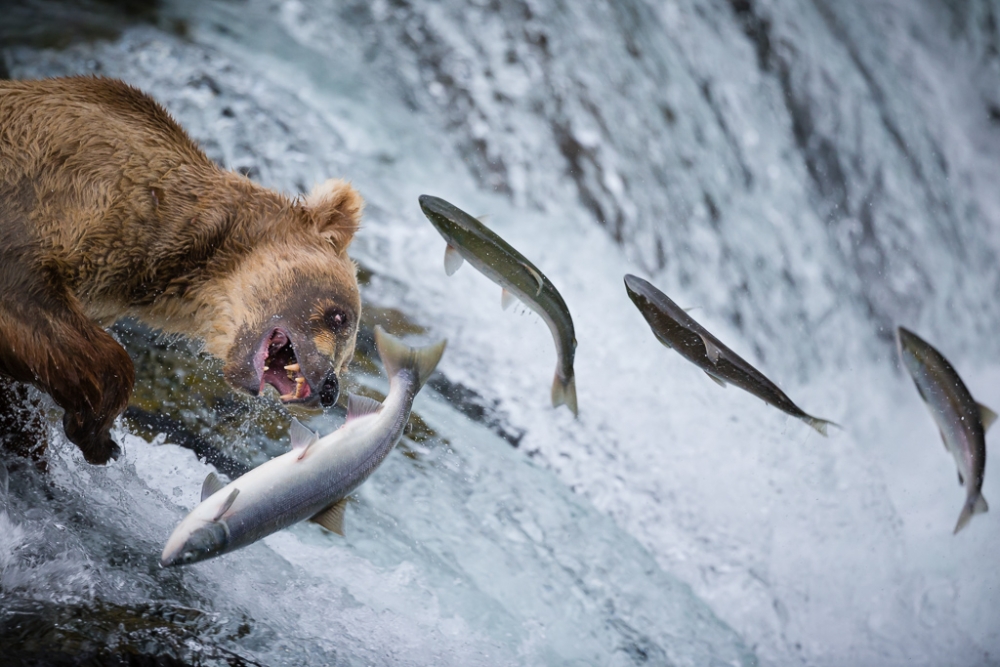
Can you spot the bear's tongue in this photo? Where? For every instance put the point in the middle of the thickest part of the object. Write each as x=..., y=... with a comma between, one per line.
x=281, y=368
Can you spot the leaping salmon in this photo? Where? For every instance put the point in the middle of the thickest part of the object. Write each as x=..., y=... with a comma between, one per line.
x=673, y=327
x=961, y=421
x=315, y=477
x=470, y=240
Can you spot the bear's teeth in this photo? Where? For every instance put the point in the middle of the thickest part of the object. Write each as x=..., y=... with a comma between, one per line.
x=300, y=382
x=293, y=367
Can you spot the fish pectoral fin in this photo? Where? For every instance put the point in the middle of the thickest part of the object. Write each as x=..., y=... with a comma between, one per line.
x=226, y=505
x=663, y=339
x=506, y=299
x=332, y=518
x=211, y=484
x=359, y=406
x=986, y=416
x=537, y=276
x=302, y=437
x=718, y=381
x=946, y=448
x=711, y=349
x=452, y=260
x=961, y=480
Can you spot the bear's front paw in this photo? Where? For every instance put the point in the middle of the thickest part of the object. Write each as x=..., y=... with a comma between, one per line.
x=94, y=441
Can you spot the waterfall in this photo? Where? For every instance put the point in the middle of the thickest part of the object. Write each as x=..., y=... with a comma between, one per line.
x=805, y=174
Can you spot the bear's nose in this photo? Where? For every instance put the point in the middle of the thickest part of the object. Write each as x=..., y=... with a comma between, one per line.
x=330, y=390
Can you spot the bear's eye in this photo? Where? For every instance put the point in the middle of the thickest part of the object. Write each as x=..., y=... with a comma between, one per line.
x=336, y=319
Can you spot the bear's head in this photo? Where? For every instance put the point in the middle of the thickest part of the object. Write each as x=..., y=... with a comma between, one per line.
x=293, y=304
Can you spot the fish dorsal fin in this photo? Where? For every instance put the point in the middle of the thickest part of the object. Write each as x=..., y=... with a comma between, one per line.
x=302, y=437
x=332, y=518
x=506, y=299
x=986, y=416
x=537, y=276
x=711, y=349
x=359, y=406
x=484, y=218
x=452, y=259
x=211, y=484
x=227, y=504
x=718, y=381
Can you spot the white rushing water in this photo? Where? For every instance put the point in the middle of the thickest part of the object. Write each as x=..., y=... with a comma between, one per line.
x=807, y=174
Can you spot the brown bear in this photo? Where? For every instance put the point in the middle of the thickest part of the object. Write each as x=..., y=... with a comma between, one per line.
x=108, y=209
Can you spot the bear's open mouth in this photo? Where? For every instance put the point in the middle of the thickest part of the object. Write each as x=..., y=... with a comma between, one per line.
x=278, y=366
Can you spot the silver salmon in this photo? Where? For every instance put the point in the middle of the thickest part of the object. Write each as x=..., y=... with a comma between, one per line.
x=315, y=477
x=470, y=240
x=673, y=327
x=961, y=421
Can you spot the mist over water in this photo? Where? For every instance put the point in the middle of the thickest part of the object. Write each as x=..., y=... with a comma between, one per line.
x=806, y=174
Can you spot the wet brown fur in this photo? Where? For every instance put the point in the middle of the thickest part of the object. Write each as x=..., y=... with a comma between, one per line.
x=108, y=209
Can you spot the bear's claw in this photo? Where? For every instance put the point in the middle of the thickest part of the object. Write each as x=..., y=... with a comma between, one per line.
x=96, y=444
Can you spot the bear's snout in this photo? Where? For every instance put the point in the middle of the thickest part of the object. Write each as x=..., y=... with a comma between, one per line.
x=329, y=391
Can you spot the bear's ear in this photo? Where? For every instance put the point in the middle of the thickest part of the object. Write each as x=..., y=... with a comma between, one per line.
x=336, y=210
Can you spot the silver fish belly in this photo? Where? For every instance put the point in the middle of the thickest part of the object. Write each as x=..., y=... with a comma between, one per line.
x=315, y=477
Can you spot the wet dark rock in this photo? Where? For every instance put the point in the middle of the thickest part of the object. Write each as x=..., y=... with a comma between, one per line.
x=104, y=634
x=59, y=23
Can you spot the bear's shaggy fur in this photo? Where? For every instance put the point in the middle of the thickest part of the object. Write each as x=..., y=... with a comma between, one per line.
x=108, y=209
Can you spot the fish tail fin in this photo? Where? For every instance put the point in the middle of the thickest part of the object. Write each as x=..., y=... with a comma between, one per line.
x=820, y=424
x=397, y=356
x=564, y=393
x=972, y=507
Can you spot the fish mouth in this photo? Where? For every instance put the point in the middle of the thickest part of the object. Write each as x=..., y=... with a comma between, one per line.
x=277, y=364
x=907, y=344
x=904, y=336
x=431, y=204
x=207, y=541
x=638, y=289
x=636, y=284
x=442, y=215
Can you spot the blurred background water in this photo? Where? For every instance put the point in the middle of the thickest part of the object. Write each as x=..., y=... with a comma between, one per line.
x=807, y=174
